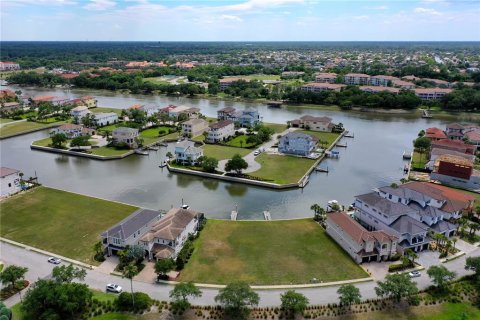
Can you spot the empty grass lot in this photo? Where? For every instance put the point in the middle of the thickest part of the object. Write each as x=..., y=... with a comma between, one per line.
x=103, y=109
x=61, y=222
x=277, y=127
x=263, y=253
x=24, y=127
x=419, y=160
x=282, y=169
x=108, y=151
x=240, y=142
x=151, y=135
x=328, y=137
x=223, y=152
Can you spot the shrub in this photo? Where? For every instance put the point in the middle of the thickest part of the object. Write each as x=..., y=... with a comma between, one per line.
x=142, y=301
x=396, y=267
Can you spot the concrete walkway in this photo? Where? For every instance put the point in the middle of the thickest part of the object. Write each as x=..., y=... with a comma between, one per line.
x=250, y=158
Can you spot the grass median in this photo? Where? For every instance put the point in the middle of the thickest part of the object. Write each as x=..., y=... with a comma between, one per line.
x=61, y=222
x=267, y=253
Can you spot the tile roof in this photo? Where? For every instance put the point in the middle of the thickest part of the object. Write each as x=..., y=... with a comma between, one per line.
x=227, y=110
x=358, y=233
x=406, y=224
x=220, y=124
x=171, y=225
x=4, y=171
x=435, y=133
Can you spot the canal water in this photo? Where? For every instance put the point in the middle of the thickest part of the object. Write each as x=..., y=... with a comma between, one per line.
x=372, y=159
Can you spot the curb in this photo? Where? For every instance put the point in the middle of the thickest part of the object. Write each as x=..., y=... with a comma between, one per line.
x=455, y=256
x=47, y=253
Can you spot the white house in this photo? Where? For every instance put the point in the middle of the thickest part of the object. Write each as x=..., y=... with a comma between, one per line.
x=79, y=112
x=194, y=127
x=187, y=153
x=9, y=65
x=220, y=131
x=129, y=230
x=126, y=135
x=168, y=235
x=9, y=181
x=72, y=130
x=105, y=118
x=297, y=143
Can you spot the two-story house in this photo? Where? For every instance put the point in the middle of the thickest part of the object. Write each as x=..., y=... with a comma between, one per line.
x=362, y=245
x=313, y=123
x=129, y=136
x=105, y=118
x=220, y=131
x=297, y=143
x=129, y=231
x=455, y=131
x=187, y=153
x=194, y=127
x=71, y=130
x=243, y=118
x=167, y=236
x=78, y=113
x=9, y=181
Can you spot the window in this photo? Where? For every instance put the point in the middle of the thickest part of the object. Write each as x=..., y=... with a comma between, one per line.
x=390, y=196
x=9, y=185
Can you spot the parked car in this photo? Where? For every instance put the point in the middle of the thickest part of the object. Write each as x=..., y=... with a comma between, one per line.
x=414, y=274
x=54, y=260
x=114, y=288
x=256, y=153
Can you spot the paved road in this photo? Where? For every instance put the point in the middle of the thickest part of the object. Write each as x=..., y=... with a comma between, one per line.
x=250, y=158
x=40, y=268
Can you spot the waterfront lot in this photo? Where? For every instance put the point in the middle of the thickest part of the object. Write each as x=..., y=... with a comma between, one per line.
x=419, y=160
x=282, y=169
x=273, y=252
x=24, y=127
x=327, y=137
x=61, y=222
x=105, y=109
x=223, y=152
x=277, y=127
x=240, y=142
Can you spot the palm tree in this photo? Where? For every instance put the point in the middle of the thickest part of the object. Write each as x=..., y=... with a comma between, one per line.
x=462, y=223
x=454, y=241
x=437, y=237
x=448, y=246
x=130, y=271
x=315, y=208
x=411, y=255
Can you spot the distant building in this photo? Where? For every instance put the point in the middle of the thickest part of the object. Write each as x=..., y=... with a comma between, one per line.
x=356, y=79
x=312, y=123
x=9, y=181
x=377, y=89
x=9, y=65
x=320, y=87
x=194, y=127
x=403, y=84
x=56, y=101
x=10, y=106
x=79, y=112
x=431, y=93
x=292, y=74
x=362, y=245
x=176, y=111
x=435, y=134
x=105, y=118
x=129, y=136
x=382, y=80
x=456, y=171
x=455, y=145
x=243, y=118
x=326, y=77
x=88, y=101
x=297, y=143
x=227, y=82
x=187, y=153
x=220, y=131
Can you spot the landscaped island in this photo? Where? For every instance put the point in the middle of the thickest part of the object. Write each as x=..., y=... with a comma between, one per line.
x=265, y=253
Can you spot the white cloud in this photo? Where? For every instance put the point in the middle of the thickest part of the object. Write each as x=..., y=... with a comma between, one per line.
x=380, y=8
x=19, y=3
x=427, y=11
x=231, y=17
x=100, y=5
x=255, y=4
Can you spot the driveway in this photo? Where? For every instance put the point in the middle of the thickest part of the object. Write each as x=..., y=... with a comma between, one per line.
x=250, y=158
x=109, y=265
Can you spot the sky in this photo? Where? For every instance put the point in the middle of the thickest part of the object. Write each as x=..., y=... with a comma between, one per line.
x=244, y=20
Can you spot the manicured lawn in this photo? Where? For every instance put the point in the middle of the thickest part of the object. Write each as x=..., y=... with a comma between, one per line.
x=199, y=138
x=273, y=252
x=157, y=80
x=104, y=296
x=419, y=160
x=108, y=151
x=282, y=169
x=99, y=109
x=4, y=120
x=151, y=135
x=17, y=314
x=42, y=142
x=329, y=137
x=446, y=311
x=278, y=127
x=61, y=222
x=24, y=126
x=223, y=152
x=240, y=142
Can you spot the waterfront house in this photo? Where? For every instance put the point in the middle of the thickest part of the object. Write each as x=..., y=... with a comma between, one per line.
x=454, y=145
x=220, y=131
x=194, y=127
x=176, y=111
x=56, y=101
x=312, y=123
x=243, y=118
x=9, y=181
x=10, y=106
x=105, y=118
x=71, y=130
x=326, y=77
x=129, y=231
x=129, y=136
x=227, y=113
x=187, y=153
x=88, y=101
x=297, y=143
x=457, y=171
x=410, y=210
x=455, y=131
x=320, y=87
x=436, y=152
x=79, y=112
x=362, y=245
x=167, y=236
x=435, y=134
x=431, y=93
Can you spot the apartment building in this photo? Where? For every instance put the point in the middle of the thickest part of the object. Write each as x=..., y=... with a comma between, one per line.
x=105, y=118
x=326, y=77
x=356, y=79
x=220, y=131
x=320, y=87
x=377, y=89
x=431, y=93
x=9, y=65
x=382, y=80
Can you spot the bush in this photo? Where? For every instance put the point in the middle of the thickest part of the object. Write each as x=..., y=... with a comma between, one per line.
x=142, y=301
x=395, y=257
x=396, y=267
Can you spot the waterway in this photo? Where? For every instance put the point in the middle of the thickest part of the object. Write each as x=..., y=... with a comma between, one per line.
x=372, y=159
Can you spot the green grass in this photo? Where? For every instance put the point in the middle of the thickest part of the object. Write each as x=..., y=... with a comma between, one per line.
x=24, y=127
x=17, y=314
x=151, y=135
x=240, y=142
x=103, y=296
x=446, y=311
x=282, y=169
x=262, y=253
x=108, y=151
x=117, y=316
x=419, y=160
x=61, y=222
x=278, y=127
x=157, y=80
x=223, y=152
x=100, y=109
x=258, y=77
x=199, y=138
x=4, y=120
x=42, y=142
x=329, y=137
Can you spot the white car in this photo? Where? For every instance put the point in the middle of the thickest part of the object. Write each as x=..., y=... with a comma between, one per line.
x=414, y=274
x=54, y=260
x=114, y=288
x=256, y=153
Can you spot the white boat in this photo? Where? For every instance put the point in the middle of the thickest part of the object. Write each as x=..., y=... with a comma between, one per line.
x=331, y=204
x=407, y=155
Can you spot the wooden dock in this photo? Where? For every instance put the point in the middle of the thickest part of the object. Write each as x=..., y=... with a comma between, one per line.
x=304, y=182
x=267, y=215
x=340, y=145
x=319, y=169
x=163, y=164
x=349, y=135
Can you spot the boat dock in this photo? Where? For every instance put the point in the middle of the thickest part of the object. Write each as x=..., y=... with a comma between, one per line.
x=426, y=114
x=304, y=182
x=163, y=164
x=341, y=145
x=153, y=148
x=332, y=154
x=319, y=169
x=349, y=135
x=267, y=215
